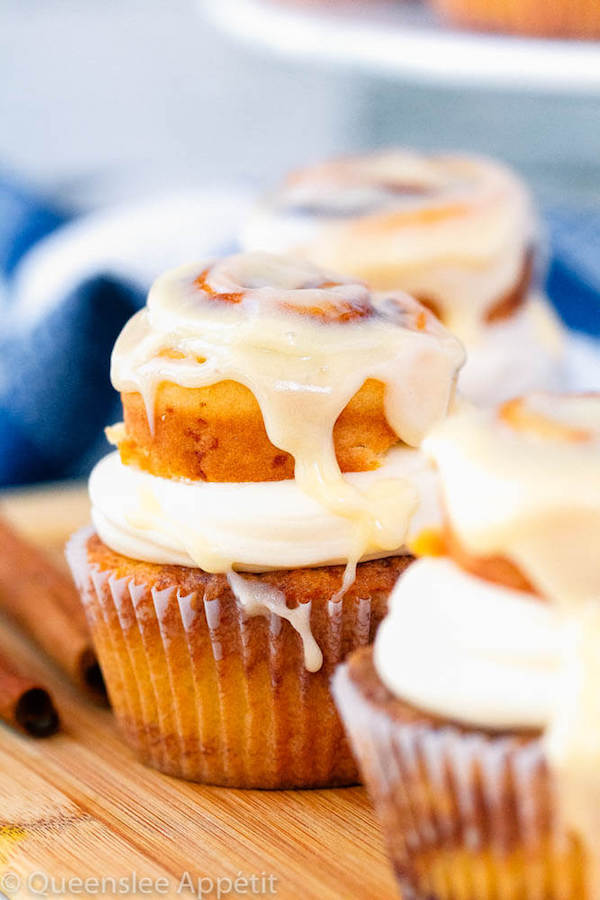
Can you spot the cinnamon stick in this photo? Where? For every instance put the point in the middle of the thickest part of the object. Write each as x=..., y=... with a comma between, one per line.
x=25, y=704
x=43, y=602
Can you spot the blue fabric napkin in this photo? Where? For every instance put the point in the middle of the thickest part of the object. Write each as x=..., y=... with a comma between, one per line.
x=55, y=393
x=573, y=282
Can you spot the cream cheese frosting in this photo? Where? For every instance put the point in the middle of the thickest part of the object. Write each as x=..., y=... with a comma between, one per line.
x=456, y=230
x=253, y=526
x=304, y=341
x=466, y=649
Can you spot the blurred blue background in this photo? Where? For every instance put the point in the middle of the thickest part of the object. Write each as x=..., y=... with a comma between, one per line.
x=134, y=137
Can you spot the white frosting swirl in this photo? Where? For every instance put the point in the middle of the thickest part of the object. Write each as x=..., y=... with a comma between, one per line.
x=250, y=526
x=463, y=648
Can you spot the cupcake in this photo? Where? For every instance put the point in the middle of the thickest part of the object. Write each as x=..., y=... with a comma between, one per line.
x=255, y=517
x=476, y=716
x=457, y=232
x=555, y=18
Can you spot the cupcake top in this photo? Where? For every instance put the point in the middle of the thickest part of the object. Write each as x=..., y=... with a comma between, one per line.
x=524, y=480
x=303, y=346
x=503, y=633
x=521, y=494
x=456, y=231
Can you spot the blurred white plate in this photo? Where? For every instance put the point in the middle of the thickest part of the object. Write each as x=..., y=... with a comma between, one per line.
x=403, y=39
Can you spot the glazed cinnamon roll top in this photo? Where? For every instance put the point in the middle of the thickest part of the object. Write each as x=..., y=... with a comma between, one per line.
x=458, y=232
x=302, y=341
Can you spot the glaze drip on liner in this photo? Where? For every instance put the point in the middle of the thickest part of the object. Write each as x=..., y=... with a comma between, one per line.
x=303, y=341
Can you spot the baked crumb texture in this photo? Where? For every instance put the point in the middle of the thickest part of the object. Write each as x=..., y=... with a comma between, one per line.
x=217, y=433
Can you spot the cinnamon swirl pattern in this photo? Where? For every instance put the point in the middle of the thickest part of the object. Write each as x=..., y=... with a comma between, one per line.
x=458, y=232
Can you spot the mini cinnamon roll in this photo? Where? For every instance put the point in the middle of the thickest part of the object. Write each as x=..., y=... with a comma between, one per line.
x=481, y=692
x=257, y=514
x=458, y=232
x=199, y=427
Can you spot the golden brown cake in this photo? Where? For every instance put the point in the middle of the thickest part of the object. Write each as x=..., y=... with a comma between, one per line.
x=553, y=18
x=217, y=433
x=255, y=518
x=457, y=231
x=475, y=718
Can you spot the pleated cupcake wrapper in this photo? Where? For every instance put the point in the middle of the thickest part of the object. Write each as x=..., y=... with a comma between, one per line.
x=560, y=17
x=204, y=692
x=464, y=816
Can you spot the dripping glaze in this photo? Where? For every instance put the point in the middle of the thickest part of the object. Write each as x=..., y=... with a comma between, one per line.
x=304, y=342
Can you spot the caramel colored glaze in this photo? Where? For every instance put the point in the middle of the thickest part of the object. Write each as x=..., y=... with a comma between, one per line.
x=217, y=433
x=465, y=814
x=505, y=306
x=204, y=692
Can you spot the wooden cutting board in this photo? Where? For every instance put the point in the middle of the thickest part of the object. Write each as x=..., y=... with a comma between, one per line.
x=78, y=805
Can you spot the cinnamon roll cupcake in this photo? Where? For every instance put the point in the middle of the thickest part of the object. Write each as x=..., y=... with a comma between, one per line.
x=476, y=717
x=458, y=232
x=256, y=515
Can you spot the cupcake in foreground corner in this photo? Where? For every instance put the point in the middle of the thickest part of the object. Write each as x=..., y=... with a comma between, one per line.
x=254, y=521
x=551, y=18
x=476, y=717
x=457, y=232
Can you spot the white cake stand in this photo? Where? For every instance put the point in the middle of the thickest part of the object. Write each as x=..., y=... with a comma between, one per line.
x=402, y=38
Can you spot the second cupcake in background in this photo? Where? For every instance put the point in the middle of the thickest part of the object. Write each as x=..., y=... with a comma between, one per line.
x=458, y=232
x=476, y=716
x=254, y=521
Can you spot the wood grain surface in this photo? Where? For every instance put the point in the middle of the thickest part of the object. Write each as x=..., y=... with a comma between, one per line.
x=79, y=806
